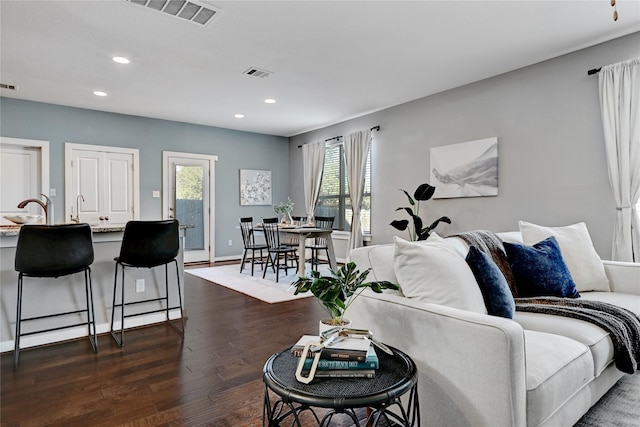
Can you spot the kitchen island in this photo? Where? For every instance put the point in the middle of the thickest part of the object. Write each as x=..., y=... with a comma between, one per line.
x=46, y=296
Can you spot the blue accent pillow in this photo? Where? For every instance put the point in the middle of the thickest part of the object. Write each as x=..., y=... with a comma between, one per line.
x=495, y=290
x=539, y=270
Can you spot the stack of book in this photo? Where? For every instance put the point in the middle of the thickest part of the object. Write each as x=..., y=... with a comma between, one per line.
x=349, y=358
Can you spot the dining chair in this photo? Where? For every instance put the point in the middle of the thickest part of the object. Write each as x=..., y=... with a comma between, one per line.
x=294, y=239
x=276, y=250
x=49, y=252
x=147, y=244
x=248, y=239
x=320, y=243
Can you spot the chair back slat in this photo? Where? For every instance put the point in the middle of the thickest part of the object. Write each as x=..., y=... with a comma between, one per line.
x=323, y=222
x=299, y=220
x=246, y=227
x=271, y=234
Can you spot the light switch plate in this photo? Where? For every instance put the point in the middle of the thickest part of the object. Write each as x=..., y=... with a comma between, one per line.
x=156, y=194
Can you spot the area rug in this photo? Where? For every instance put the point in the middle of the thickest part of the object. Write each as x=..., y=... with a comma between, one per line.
x=266, y=289
x=619, y=407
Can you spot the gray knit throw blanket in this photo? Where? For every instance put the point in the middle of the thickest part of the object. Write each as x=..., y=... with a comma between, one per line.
x=489, y=243
x=622, y=325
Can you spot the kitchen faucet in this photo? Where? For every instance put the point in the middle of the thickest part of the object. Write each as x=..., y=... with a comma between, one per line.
x=45, y=206
x=77, y=218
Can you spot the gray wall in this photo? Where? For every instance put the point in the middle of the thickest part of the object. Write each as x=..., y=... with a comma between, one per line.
x=235, y=150
x=552, y=168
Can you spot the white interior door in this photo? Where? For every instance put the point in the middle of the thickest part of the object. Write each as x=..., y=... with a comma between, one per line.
x=188, y=197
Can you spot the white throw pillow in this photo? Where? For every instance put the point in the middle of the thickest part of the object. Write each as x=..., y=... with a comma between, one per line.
x=577, y=250
x=432, y=271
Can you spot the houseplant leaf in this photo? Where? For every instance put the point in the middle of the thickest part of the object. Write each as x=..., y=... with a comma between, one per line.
x=400, y=224
x=424, y=192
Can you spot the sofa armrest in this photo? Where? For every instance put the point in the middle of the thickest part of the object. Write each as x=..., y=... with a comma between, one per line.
x=471, y=366
x=623, y=276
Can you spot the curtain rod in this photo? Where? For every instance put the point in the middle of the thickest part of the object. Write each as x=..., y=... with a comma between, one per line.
x=593, y=71
x=376, y=128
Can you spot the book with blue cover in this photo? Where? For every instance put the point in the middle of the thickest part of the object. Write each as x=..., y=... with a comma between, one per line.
x=370, y=362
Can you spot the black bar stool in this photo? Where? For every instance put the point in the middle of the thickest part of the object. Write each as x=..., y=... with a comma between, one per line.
x=52, y=251
x=147, y=244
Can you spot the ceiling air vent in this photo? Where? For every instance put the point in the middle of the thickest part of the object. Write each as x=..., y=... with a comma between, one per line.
x=257, y=72
x=188, y=10
x=5, y=86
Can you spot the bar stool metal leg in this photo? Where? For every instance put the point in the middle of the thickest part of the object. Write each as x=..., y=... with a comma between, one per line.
x=16, y=349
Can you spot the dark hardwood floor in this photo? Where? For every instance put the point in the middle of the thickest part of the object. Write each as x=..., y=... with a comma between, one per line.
x=214, y=378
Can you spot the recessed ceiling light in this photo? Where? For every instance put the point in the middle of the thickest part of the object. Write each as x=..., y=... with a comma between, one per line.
x=239, y=116
x=120, y=59
x=270, y=101
x=99, y=93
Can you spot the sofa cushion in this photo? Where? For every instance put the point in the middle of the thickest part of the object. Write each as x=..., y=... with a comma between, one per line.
x=629, y=301
x=557, y=368
x=495, y=290
x=578, y=252
x=380, y=261
x=593, y=337
x=539, y=270
x=433, y=272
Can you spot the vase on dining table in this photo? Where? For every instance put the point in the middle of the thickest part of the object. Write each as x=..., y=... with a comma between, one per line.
x=286, y=218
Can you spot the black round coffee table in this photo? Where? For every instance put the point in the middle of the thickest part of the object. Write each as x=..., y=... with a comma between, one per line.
x=396, y=376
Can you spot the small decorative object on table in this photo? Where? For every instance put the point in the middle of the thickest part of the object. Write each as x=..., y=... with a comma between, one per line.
x=337, y=353
x=424, y=192
x=337, y=291
x=284, y=209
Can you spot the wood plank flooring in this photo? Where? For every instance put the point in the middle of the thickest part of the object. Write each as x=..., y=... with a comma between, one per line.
x=214, y=378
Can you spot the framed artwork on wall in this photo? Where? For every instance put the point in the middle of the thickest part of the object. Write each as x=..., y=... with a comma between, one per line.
x=255, y=187
x=467, y=169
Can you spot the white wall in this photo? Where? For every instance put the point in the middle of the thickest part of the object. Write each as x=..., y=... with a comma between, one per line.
x=552, y=168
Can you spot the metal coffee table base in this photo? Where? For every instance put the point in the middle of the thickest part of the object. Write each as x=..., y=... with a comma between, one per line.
x=274, y=415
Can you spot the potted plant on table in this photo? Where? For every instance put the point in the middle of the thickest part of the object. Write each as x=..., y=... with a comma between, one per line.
x=337, y=291
x=284, y=209
x=424, y=192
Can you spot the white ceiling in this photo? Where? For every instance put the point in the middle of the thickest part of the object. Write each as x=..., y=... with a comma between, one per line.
x=331, y=60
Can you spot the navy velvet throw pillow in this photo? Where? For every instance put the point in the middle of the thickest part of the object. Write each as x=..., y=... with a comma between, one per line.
x=540, y=270
x=495, y=290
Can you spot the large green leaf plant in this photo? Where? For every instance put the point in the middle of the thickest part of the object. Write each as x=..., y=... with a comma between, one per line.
x=338, y=291
x=423, y=193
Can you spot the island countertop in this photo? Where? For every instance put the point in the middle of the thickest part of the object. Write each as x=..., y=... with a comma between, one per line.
x=14, y=230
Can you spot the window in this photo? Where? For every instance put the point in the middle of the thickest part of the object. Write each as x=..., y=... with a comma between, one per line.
x=334, y=199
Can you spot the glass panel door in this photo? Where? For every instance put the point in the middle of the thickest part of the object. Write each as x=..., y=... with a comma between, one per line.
x=189, y=201
x=189, y=204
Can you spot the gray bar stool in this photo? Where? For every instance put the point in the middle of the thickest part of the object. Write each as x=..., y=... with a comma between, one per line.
x=45, y=251
x=147, y=244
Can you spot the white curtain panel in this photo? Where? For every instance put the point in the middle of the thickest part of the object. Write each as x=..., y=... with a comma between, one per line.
x=620, y=107
x=313, y=164
x=356, y=149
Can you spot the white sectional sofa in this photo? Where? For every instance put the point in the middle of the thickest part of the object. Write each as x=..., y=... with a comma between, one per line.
x=477, y=369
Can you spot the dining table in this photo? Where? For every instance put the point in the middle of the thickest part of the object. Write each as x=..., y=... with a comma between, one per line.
x=304, y=232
